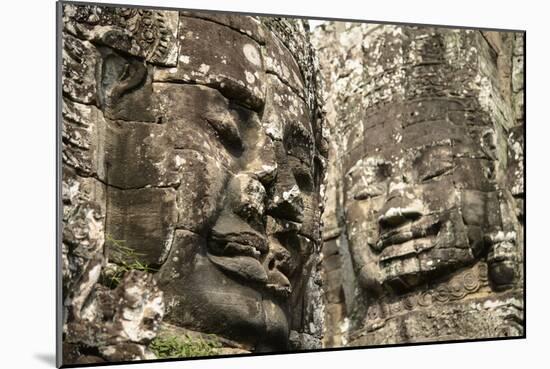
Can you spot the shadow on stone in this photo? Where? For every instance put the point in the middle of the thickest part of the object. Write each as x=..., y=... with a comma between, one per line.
x=46, y=358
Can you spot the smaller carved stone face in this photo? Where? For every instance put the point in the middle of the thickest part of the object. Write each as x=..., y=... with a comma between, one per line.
x=419, y=208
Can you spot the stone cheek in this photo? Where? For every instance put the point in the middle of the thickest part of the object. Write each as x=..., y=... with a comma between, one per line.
x=144, y=218
x=202, y=177
x=138, y=155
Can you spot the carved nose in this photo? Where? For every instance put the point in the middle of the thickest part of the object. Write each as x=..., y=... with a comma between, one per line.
x=263, y=164
x=247, y=197
x=288, y=204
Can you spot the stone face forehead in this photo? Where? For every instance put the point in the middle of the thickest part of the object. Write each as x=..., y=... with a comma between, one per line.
x=411, y=127
x=241, y=51
x=231, y=63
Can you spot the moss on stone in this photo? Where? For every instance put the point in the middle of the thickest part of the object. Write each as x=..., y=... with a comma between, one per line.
x=183, y=346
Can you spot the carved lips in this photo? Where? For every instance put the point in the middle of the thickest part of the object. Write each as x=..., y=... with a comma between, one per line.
x=410, y=239
x=249, y=256
x=245, y=266
x=239, y=253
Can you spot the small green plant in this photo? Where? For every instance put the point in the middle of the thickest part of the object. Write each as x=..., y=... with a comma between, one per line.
x=125, y=258
x=183, y=346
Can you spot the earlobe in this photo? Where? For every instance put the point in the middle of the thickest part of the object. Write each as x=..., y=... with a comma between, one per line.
x=501, y=260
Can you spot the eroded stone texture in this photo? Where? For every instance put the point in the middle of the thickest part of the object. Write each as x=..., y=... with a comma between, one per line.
x=423, y=230
x=100, y=323
x=231, y=64
x=199, y=139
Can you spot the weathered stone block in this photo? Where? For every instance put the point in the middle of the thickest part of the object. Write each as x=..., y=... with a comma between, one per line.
x=78, y=70
x=83, y=138
x=143, y=219
x=279, y=60
x=242, y=23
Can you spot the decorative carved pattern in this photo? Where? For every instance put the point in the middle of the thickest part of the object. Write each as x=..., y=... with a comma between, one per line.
x=155, y=32
x=457, y=288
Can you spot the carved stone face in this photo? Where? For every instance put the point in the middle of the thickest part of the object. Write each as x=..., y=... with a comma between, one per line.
x=231, y=267
x=210, y=166
x=224, y=274
x=221, y=259
x=419, y=201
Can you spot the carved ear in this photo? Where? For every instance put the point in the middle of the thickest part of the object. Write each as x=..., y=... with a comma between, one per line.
x=124, y=87
x=502, y=260
x=118, y=75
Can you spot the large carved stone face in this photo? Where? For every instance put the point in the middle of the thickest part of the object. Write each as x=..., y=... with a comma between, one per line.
x=230, y=269
x=209, y=163
x=221, y=262
x=420, y=199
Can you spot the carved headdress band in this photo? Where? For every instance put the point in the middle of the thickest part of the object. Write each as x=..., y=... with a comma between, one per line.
x=148, y=34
